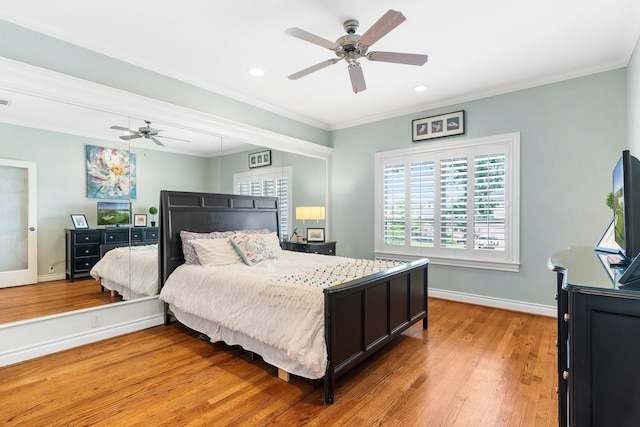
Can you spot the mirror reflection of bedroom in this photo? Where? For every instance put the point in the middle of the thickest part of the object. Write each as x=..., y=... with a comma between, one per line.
x=94, y=225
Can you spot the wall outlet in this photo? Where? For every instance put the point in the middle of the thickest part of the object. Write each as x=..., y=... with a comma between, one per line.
x=96, y=320
x=51, y=268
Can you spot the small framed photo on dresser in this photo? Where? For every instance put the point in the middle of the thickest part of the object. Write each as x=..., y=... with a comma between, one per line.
x=79, y=221
x=140, y=220
x=315, y=234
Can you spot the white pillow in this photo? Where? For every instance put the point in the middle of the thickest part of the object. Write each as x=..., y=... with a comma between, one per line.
x=215, y=252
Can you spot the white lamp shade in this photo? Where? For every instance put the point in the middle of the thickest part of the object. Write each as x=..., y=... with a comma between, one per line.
x=310, y=212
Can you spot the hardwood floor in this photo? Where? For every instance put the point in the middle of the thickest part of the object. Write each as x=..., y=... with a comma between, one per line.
x=474, y=366
x=45, y=298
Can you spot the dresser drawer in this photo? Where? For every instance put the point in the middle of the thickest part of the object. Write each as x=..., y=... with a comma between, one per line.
x=136, y=235
x=115, y=236
x=86, y=251
x=323, y=249
x=151, y=235
x=87, y=237
x=85, y=264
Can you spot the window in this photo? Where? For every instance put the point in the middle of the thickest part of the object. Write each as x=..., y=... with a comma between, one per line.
x=269, y=183
x=456, y=203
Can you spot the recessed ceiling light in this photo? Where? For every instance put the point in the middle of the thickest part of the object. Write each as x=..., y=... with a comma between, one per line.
x=256, y=72
x=421, y=88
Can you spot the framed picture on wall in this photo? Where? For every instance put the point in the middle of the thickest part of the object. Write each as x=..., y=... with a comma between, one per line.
x=79, y=221
x=263, y=158
x=438, y=126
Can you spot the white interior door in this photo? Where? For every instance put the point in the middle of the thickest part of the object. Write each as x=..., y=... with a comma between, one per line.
x=18, y=218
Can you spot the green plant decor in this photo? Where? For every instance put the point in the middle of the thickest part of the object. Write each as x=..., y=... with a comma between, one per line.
x=153, y=211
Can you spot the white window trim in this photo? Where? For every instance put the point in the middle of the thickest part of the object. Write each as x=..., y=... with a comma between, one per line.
x=286, y=172
x=509, y=260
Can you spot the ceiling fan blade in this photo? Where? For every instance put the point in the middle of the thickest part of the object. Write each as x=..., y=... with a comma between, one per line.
x=121, y=128
x=357, y=78
x=398, y=58
x=157, y=142
x=311, y=38
x=128, y=137
x=309, y=70
x=382, y=27
x=169, y=137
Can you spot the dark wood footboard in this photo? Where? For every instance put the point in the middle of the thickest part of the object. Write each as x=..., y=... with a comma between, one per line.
x=364, y=315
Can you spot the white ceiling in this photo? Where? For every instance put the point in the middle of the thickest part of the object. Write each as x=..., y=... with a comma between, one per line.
x=476, y=48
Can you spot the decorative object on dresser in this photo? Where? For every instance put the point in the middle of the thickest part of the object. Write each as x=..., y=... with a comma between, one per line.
x=140, y=220
x=315, y=234
x=153, y=211
x=438, y=126
x=79, y=221
x=83, y=247
x=322, y=248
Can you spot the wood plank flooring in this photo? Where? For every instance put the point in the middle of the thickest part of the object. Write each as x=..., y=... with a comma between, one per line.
x=474, y=366
x=45, y=298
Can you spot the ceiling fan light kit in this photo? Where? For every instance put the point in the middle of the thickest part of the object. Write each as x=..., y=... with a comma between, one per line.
x=352, y=47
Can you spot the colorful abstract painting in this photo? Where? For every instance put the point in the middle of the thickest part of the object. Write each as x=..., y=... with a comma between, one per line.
x=111, y=173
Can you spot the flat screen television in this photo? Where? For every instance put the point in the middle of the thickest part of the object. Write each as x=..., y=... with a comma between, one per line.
x=114, y=214
x=626, y=205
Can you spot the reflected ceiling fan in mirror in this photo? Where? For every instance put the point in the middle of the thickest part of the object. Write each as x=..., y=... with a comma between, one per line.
x=146, y=132
x=353, y=47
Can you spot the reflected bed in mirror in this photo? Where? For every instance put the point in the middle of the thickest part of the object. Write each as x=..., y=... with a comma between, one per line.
x=53, y=130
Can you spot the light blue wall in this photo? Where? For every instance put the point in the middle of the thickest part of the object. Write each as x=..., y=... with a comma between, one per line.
x=61, y=181
x=571, y=136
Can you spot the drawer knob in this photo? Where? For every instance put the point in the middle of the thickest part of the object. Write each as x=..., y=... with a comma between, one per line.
x=566, y=317
x=565, y=375
x=86, y=251
x=86, y=237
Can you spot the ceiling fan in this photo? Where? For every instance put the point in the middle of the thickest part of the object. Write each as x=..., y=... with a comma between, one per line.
x=146, y=132
x=353, y=47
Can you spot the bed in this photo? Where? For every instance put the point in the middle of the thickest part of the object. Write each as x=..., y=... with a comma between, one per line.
x=129, y=270
x=348, y=321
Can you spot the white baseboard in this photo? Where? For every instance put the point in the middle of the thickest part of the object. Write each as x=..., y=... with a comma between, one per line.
x=50, y=277
x=70, y=341
x=526, y=307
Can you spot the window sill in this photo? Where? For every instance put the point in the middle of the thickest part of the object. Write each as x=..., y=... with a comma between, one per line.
x=513, y=267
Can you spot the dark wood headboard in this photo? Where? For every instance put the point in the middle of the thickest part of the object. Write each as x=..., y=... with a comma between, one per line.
x=206, y=212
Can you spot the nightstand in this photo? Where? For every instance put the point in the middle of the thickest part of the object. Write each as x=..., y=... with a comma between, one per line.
x=323, y=248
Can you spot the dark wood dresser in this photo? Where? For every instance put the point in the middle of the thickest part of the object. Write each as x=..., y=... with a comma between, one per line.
x=83, y=246
x=323, y=248
x=598, y=341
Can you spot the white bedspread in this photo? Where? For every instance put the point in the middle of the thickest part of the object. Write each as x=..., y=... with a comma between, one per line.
x=276, y=302
x=133, y=268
